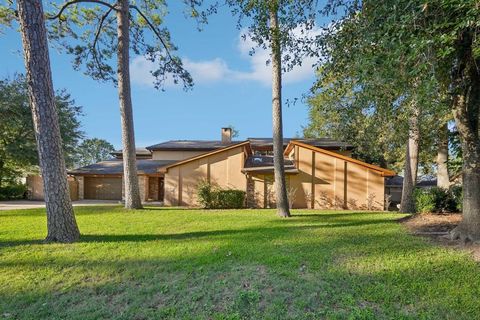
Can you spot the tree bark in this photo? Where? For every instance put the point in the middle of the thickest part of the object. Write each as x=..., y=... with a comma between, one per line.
x=466, y=101
x=443, y=177
x=278, y=159
x=130, y=177
x=464, y=113
x=61, y=223
x=407, y=204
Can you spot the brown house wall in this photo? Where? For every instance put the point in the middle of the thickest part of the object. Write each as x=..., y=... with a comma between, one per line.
x=35, y=188
x=326, y=182
x=223, y=169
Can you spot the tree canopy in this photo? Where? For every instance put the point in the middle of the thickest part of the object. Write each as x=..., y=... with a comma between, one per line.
x=18, y=153
x=93, y=150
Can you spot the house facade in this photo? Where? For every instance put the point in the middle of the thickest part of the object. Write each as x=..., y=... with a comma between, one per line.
x=320, y=173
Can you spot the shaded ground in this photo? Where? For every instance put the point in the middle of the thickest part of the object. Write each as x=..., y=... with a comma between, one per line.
x=437, y=228
x=32, y=204
x=162, y=263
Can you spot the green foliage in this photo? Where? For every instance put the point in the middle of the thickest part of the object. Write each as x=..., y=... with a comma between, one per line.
x=457, y=195
x=424, y=201
x=228, y=199
x=18, y=152
x=13, y=192
x=204, y=194
x=296, y=15
x=88, y=32
x=436, y=200
x=213, y=197
x=366, y=88
x=163, y=263
x=92, y=151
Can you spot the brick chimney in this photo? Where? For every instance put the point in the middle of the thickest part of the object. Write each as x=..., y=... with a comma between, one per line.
x=226, y=135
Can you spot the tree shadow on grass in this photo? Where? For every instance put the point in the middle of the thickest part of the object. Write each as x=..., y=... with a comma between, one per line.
x=247, y=232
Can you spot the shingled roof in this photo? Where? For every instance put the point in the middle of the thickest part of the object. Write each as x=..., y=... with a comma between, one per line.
x=324, y=143
x=139, y=152
x=209, y=145
x=115, y=167
x=196, y=145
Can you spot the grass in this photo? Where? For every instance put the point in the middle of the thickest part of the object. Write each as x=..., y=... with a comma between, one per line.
x=244, y=264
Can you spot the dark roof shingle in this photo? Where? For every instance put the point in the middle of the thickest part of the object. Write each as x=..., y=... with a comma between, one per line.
x=182, y=145
x=209, y=145
x=115, y=167
x=325, y=143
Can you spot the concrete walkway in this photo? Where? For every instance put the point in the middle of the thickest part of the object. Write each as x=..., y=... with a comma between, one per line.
x=27, y=204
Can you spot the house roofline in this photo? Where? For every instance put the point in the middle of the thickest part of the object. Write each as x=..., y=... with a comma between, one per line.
x=383, y=171
x=203, y=155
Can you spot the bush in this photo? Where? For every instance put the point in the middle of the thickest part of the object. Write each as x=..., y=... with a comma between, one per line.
x=228, y=199
x=457, y=194
x=436, y=200
x=212, y=197
x=13, y=192
x=204, y=193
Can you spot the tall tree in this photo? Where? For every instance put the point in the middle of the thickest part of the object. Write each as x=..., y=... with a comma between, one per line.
x=61, y=223
x=95, y=37
x=93, y=150
x=446, y=32
x=18, y=154
x=277, y=124
x=365, y=97
x=443, y=176
x=271, y=26
x=407, y=204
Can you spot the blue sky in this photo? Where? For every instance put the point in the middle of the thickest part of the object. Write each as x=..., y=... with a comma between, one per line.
x=231, y=87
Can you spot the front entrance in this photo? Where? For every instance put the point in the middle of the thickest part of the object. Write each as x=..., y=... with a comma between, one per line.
x=155, y=188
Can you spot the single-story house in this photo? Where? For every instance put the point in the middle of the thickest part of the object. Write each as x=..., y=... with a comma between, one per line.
x=320, y=173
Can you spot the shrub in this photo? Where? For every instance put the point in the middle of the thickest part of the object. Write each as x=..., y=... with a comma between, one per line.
x=424, y=201
x=213, y=197
x=436, y=200
x=228, y=199
x=457, y=195
x=204, y=193
x=13, y=192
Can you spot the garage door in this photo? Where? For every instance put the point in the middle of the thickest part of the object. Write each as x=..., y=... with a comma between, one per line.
x=103, y=188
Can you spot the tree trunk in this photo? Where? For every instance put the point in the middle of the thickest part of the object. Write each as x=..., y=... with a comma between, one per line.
x=61, y=223
x=465, y=89
x=407, y=204
x=443, y=177
x=130, y=177
x=278, y=159
x=467, y=124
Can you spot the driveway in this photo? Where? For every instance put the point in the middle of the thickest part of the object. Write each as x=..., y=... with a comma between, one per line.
x=27, y=204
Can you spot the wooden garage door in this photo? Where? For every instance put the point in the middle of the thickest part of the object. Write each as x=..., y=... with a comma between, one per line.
x=103, y=188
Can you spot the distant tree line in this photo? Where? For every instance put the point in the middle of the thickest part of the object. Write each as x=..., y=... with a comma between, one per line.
x=18, y=152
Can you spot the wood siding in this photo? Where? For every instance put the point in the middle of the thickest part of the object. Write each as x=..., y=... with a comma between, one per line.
x=223, y=169
x=324, y=182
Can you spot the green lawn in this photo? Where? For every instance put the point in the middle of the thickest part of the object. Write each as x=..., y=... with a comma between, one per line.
x=194, y=264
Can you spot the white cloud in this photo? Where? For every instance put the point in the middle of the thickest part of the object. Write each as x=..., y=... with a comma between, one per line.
x=217, y=70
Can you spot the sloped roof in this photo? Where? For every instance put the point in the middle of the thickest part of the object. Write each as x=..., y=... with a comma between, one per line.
x=203, y=155
x=197, y=145
x=115, y=167
x=138, y=151
x=209, y=145
x=325, y=143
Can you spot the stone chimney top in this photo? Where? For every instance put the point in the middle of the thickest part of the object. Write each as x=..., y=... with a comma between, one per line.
x=226, y=135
